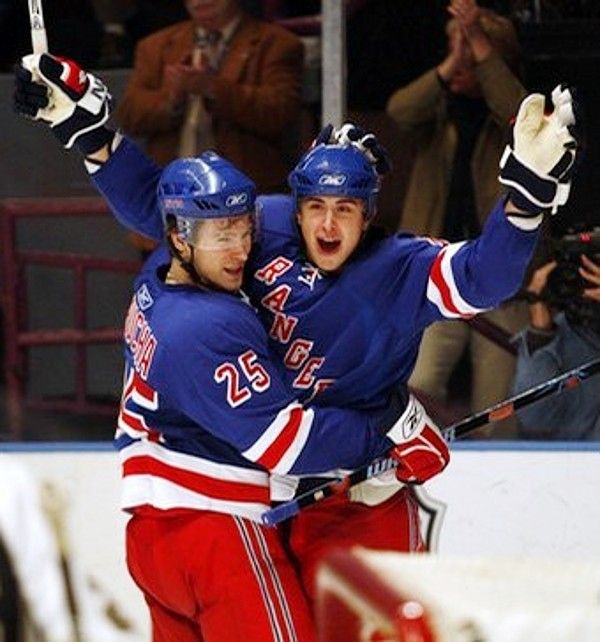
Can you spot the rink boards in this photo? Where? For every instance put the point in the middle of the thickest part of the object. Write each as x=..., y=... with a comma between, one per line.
x=495, y=499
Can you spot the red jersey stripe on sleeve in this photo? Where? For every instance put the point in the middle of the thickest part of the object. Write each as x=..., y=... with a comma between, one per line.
x=437, y=277
x=273, y=454
x=281, y=443
x=442, y=289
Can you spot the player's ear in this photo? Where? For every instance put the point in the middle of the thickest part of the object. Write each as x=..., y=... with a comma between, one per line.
x=178, y=243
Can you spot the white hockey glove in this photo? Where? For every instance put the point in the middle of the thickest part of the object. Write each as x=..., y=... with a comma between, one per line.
x=73, y=102
x=366, y=142
x=421, y=451
x=538, y=164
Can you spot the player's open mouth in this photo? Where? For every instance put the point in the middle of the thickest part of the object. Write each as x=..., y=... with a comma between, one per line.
x=234, y=272
x=328, y=247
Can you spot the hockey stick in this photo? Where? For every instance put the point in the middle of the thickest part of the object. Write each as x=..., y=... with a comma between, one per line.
x=39, y=41
x=499, y=411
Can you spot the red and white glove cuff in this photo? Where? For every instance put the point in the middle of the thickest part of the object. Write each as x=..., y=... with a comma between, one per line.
x=420, y=450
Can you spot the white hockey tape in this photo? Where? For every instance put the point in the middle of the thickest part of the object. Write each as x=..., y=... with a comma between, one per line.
x=39, y=41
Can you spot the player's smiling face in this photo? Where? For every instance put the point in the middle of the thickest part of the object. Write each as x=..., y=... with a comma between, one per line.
x=224, y=245
x=331, y=227
x=218, y=250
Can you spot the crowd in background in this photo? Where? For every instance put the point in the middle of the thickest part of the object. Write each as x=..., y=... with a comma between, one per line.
x=103, y=33
x=450, y=99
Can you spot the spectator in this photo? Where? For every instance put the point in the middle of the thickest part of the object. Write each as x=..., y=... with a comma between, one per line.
x=560, y=337
x=251, y=89
x=243, y=103
x=458, y=115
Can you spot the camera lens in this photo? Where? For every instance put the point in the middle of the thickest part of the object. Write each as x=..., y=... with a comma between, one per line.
x=564, y=283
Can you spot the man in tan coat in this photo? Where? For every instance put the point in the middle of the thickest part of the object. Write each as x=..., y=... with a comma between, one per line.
x=247, y=77
x=458, y=115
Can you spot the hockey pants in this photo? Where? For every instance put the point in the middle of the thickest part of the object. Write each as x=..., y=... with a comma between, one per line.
x=211, y=577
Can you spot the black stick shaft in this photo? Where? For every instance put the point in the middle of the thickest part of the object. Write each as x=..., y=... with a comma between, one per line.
x=507, y=408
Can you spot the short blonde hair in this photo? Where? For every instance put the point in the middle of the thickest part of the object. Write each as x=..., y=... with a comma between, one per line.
x=502, y=35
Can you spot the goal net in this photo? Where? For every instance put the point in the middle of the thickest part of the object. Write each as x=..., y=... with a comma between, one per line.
x=370, y=596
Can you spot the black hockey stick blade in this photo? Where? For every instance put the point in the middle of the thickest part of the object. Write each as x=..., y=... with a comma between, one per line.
x=502, y=410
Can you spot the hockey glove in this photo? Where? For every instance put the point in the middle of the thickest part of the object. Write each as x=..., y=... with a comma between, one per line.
x=421, y=451
x=349, y=134
x=537, y=165
x=73, y=102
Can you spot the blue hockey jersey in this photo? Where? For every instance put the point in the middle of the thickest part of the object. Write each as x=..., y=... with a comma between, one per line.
x=205, y=412
x=350, y=344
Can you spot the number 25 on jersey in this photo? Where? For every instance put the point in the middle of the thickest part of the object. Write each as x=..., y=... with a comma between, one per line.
x=247, y=369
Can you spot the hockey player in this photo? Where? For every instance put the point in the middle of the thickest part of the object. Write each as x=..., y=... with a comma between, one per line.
x=345, y=306
x=205, y=414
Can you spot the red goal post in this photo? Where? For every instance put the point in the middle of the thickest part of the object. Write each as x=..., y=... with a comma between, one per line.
x=371, y=596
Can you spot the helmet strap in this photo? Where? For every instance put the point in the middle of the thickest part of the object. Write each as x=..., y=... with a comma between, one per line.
x=188, y=265
x=190, y=268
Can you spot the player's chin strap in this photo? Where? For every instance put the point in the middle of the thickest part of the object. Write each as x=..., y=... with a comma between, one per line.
x=497, y=412
x=188, y=265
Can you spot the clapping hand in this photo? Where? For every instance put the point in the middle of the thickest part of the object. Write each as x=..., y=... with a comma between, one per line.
x=590, y=271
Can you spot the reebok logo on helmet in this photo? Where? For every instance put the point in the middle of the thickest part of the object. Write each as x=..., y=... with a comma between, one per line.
x=335, y=180
x=173, y=203
x=236, y=199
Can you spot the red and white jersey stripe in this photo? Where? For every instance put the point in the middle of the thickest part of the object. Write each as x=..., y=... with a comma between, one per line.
x=157, y=476
x=270, y=584
x=442, y=289
x=281, y=443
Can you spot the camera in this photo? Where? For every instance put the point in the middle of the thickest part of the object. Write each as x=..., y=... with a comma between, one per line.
x=565, y=285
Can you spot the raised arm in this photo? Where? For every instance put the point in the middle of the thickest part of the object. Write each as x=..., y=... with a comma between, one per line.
x=77, y=105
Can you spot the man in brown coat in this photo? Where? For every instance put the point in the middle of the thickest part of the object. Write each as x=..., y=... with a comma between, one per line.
x=458, y=116
x=247, y=78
